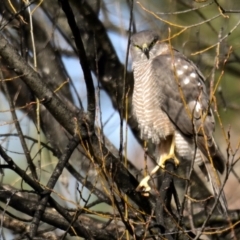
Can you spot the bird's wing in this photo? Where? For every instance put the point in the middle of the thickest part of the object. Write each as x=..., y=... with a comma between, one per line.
x=184, y=98
x=182, y=92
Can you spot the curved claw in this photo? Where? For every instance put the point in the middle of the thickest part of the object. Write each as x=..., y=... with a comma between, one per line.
x=143, y=186
x=166, y=158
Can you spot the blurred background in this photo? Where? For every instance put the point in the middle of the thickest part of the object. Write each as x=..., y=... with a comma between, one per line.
x=207, y=32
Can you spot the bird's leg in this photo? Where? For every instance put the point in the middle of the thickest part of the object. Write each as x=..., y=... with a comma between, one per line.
x=171, y=155
x=167, y=148
x=143, y=186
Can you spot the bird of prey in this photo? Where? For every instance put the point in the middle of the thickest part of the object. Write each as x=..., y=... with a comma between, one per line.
x=172, y=107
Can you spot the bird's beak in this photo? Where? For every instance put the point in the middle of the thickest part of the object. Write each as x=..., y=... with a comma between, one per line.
x=145, y=50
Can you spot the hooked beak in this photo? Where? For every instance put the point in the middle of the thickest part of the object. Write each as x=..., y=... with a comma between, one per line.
x=145, y=50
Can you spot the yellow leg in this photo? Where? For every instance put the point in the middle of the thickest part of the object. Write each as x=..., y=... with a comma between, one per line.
x=166, y=153
x=171, y=155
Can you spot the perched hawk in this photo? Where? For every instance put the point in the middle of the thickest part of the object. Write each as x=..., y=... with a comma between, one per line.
x=172, y=106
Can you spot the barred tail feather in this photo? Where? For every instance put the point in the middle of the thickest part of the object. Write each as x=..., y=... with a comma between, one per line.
x=216, y=187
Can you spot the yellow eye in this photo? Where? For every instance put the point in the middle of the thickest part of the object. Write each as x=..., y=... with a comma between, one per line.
x=152, y=43
x=136, y=46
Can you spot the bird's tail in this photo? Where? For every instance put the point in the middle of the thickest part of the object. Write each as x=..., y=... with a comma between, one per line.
x=213, y=166
x=216, y=185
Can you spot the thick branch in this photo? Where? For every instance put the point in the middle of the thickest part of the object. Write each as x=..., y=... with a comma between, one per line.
x=126, y=182
x=54, y=219
x=51, y=101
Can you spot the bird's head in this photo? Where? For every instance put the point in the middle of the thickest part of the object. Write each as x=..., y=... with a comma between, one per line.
x=142, y=44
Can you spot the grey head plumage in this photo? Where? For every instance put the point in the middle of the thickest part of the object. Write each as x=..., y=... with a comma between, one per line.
x=142, y=43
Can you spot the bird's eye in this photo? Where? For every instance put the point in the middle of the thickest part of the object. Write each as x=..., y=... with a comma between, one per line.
x=138, y=47
x=152, y=43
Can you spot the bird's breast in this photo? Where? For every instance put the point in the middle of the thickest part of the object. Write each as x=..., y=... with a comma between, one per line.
x=154, y=124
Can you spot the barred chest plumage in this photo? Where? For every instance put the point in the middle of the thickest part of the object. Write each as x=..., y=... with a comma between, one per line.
x=154, y=124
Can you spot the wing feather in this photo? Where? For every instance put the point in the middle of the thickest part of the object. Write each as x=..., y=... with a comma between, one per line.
x=184, y=98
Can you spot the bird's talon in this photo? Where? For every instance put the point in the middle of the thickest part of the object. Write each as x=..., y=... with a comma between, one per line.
x=176, y=161
x=162, y=165
x=167, y=158
x=144, y=193
x=143, y=187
